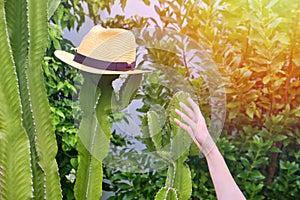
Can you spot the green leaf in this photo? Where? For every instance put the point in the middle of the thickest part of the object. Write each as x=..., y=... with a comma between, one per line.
x=128, y=90
x=278, y=138
x=230, y=90
x=296, y=60
x=250, y=112
x=266, y=79
x=95, y=8
x=123, y=4
x=272, y=3
x=233, y=104
x=245, y=162
x=147, y=2
x=183, y=180
x=52, y=6
x=256, y=175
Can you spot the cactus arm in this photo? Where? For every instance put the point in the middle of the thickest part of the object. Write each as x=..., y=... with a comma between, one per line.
x=178, y=182
x=45, y=142
x=180, y=145
x=17, y=21
x=15, y=180
x=128, y=91
x=94, y=133
x=28, y=35
x=15, y=175
x=167, y=193
x=183, y=180
x=155, y=129
x=88, y=178
x=146, y=134
x=89, y=166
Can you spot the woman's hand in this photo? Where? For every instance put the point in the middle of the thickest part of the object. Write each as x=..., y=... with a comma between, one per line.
x=194, y=124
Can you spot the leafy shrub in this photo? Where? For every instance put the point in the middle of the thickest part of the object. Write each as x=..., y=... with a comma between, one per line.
x=254, y=45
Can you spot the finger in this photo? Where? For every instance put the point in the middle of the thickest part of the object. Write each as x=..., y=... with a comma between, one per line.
x=189, y=112
x=188, y=130
x=194, y=106
x=185, y=118
x=185, y=127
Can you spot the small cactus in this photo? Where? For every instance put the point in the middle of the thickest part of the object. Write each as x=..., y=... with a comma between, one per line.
x=178, y=183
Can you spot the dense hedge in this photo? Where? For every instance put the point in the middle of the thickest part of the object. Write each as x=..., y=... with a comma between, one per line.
x=255, y=47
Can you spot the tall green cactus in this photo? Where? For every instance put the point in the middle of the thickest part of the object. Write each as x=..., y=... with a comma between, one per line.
x=97, y=100
x=28, y=146
x=175, y=152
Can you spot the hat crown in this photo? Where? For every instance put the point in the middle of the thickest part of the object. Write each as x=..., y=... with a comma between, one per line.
x=111, y=45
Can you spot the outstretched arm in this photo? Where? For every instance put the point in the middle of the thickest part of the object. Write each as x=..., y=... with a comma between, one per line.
x=194, y=124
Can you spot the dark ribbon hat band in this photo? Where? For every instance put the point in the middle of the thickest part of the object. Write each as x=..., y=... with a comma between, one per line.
x=99, y=64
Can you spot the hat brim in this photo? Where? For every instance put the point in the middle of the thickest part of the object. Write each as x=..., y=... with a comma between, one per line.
x=68, y=58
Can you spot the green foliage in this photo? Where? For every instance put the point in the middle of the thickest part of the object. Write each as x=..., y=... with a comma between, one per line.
x=254, y=45
x=127, y=91
x=247, y=159
x=128, y=185
x=61, y=86
x=256, y=72
x=62, y=90
x=287, y=183
x=52, y=7
x=71, y=14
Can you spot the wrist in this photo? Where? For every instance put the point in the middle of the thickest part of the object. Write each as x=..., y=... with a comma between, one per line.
x=211, y=155
x=208, y=146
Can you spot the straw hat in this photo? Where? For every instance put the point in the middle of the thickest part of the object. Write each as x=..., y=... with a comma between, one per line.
x=104, y=51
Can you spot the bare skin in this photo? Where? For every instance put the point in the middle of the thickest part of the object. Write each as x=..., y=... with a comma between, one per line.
x=194, y=124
